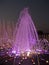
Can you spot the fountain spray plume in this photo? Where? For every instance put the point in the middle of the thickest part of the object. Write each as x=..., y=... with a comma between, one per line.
x=26, y=38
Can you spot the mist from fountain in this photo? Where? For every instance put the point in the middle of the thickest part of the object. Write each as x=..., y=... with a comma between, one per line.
x=23, y=37
x=26, y=37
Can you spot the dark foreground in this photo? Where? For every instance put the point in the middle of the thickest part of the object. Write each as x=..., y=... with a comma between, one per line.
x=42, y=59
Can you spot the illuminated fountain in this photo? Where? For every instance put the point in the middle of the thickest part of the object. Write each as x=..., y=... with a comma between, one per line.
x=24, y=42
x=26, y=37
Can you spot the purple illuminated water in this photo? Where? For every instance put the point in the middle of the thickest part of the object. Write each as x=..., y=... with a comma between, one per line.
x=26, y=38
x=21, y=38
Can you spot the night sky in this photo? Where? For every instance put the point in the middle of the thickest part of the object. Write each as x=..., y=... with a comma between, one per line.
x=39, y=10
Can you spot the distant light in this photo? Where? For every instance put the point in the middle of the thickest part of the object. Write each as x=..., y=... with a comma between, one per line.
x=33, y=62
x=38, y=50
x=17, y=54
x=14, y=52
x=19, y=63
x=25, y=57
x=6, y=61
x=47, y=61
x=7, y=52
x=28, y=53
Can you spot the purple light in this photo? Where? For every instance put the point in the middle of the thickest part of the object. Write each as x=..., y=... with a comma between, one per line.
x=38, y=50
x=14, y=51
x=26, y=37
x=21, y=38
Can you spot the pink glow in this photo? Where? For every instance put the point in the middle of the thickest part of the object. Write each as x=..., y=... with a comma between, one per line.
x=26, y=37
x=21, y=38
x=14, y=52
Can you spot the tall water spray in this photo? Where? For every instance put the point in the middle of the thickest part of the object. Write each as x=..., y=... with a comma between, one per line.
x=26, y=37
